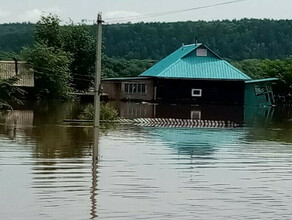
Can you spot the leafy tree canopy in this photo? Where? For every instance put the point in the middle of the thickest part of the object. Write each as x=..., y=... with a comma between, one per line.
x=52, y=73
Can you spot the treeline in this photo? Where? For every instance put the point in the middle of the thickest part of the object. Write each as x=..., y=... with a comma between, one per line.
x=281, y=69
x=63, y=57
x=235, y=40
x=15, y=36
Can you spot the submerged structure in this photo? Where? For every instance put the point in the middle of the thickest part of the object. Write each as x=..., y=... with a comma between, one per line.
x=192, y=74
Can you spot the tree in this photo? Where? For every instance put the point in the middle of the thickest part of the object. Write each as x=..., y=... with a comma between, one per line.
x=72, y=38
x=80, y=43
x=281, y=69
x=52, y=73
x=48, y=31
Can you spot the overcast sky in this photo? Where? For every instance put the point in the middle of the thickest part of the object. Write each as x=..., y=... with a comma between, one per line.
x=113, y=10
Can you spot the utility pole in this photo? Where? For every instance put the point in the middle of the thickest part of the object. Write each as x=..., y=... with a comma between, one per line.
x=97, y=86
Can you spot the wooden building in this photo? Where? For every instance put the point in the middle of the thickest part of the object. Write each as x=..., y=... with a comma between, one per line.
x=20, y=69
x=192, y=74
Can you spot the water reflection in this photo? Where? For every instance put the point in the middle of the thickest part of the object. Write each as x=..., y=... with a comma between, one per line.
x=276, y=126
x=93, y=196
x=196, y=142
x=50, y=170
x=180, y=111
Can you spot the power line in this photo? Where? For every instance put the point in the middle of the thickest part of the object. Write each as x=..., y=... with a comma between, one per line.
x=171, y=12
x=70, y=79
x=71, y=73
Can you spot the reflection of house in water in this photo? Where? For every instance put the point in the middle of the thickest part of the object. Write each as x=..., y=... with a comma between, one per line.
x=236, y=114
x=180, y=111
x=18, y=119
x=132, y=110
x=261, y=115
x=196, y=142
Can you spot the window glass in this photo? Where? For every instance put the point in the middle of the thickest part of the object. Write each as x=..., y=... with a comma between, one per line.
x=126, y=88
x=132, y=88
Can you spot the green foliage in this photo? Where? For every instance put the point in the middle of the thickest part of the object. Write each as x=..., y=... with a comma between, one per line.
x=236, y=39
x=62, y=57
x=48, y=31
x=73, y=39
x=80, y=43
x=9, y=56
x=124, y=68
x=14, y=36
x=281, y=69
x=107, y=112
x=8, y=92
x=52, y=73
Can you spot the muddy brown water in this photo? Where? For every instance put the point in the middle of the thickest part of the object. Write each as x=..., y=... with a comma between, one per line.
x=53, y=170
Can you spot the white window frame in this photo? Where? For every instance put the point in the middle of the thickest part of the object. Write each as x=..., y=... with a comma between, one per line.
x=134, y=88
x=195, y=94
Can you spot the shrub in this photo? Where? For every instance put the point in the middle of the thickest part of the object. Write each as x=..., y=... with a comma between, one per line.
x=8, y=92
x=107, y=112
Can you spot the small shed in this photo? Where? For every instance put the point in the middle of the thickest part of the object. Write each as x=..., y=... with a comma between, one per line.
x=192, y=74
x=20, y=69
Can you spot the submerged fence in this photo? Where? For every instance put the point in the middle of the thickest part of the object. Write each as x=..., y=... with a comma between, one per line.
x=167, y=122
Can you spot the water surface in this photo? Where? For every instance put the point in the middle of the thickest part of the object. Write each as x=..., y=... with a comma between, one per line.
x=52, y=170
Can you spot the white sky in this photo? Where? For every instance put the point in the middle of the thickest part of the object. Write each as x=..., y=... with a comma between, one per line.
x=30, y=10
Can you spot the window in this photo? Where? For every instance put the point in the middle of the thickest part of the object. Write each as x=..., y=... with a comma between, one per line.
x=196, y=92
x=201, y=52
x=196, y=115
x=134, y=88
x=260, y=89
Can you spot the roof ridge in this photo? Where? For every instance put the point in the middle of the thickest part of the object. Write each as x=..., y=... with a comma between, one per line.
x=174, y=55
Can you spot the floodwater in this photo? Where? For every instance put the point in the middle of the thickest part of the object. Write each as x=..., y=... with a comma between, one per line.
x=53, y=170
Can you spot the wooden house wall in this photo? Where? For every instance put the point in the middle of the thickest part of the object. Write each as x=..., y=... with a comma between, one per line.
x=225, y=113
x=25, y=73
x=223, y=92
x=259, y=94
x=112, y=89
x=116, y=89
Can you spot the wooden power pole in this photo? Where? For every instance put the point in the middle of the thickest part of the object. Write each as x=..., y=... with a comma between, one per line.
x=97, y=86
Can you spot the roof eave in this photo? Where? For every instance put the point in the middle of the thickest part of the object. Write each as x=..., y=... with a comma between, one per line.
x=268, y=80
x=201, y=79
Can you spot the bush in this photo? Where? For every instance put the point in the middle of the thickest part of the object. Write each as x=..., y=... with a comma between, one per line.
x=8, y=92
x=107, y=112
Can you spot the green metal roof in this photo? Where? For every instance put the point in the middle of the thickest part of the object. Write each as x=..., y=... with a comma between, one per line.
x=183, y=63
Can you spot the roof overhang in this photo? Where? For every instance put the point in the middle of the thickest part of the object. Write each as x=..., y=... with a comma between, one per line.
x=199, y=79
x=267, y=80
x=126, y=78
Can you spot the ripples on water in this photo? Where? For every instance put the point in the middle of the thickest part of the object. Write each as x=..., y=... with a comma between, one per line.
x=52, y=171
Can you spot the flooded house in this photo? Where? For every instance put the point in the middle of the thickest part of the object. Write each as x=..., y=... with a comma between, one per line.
x=192, y=74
